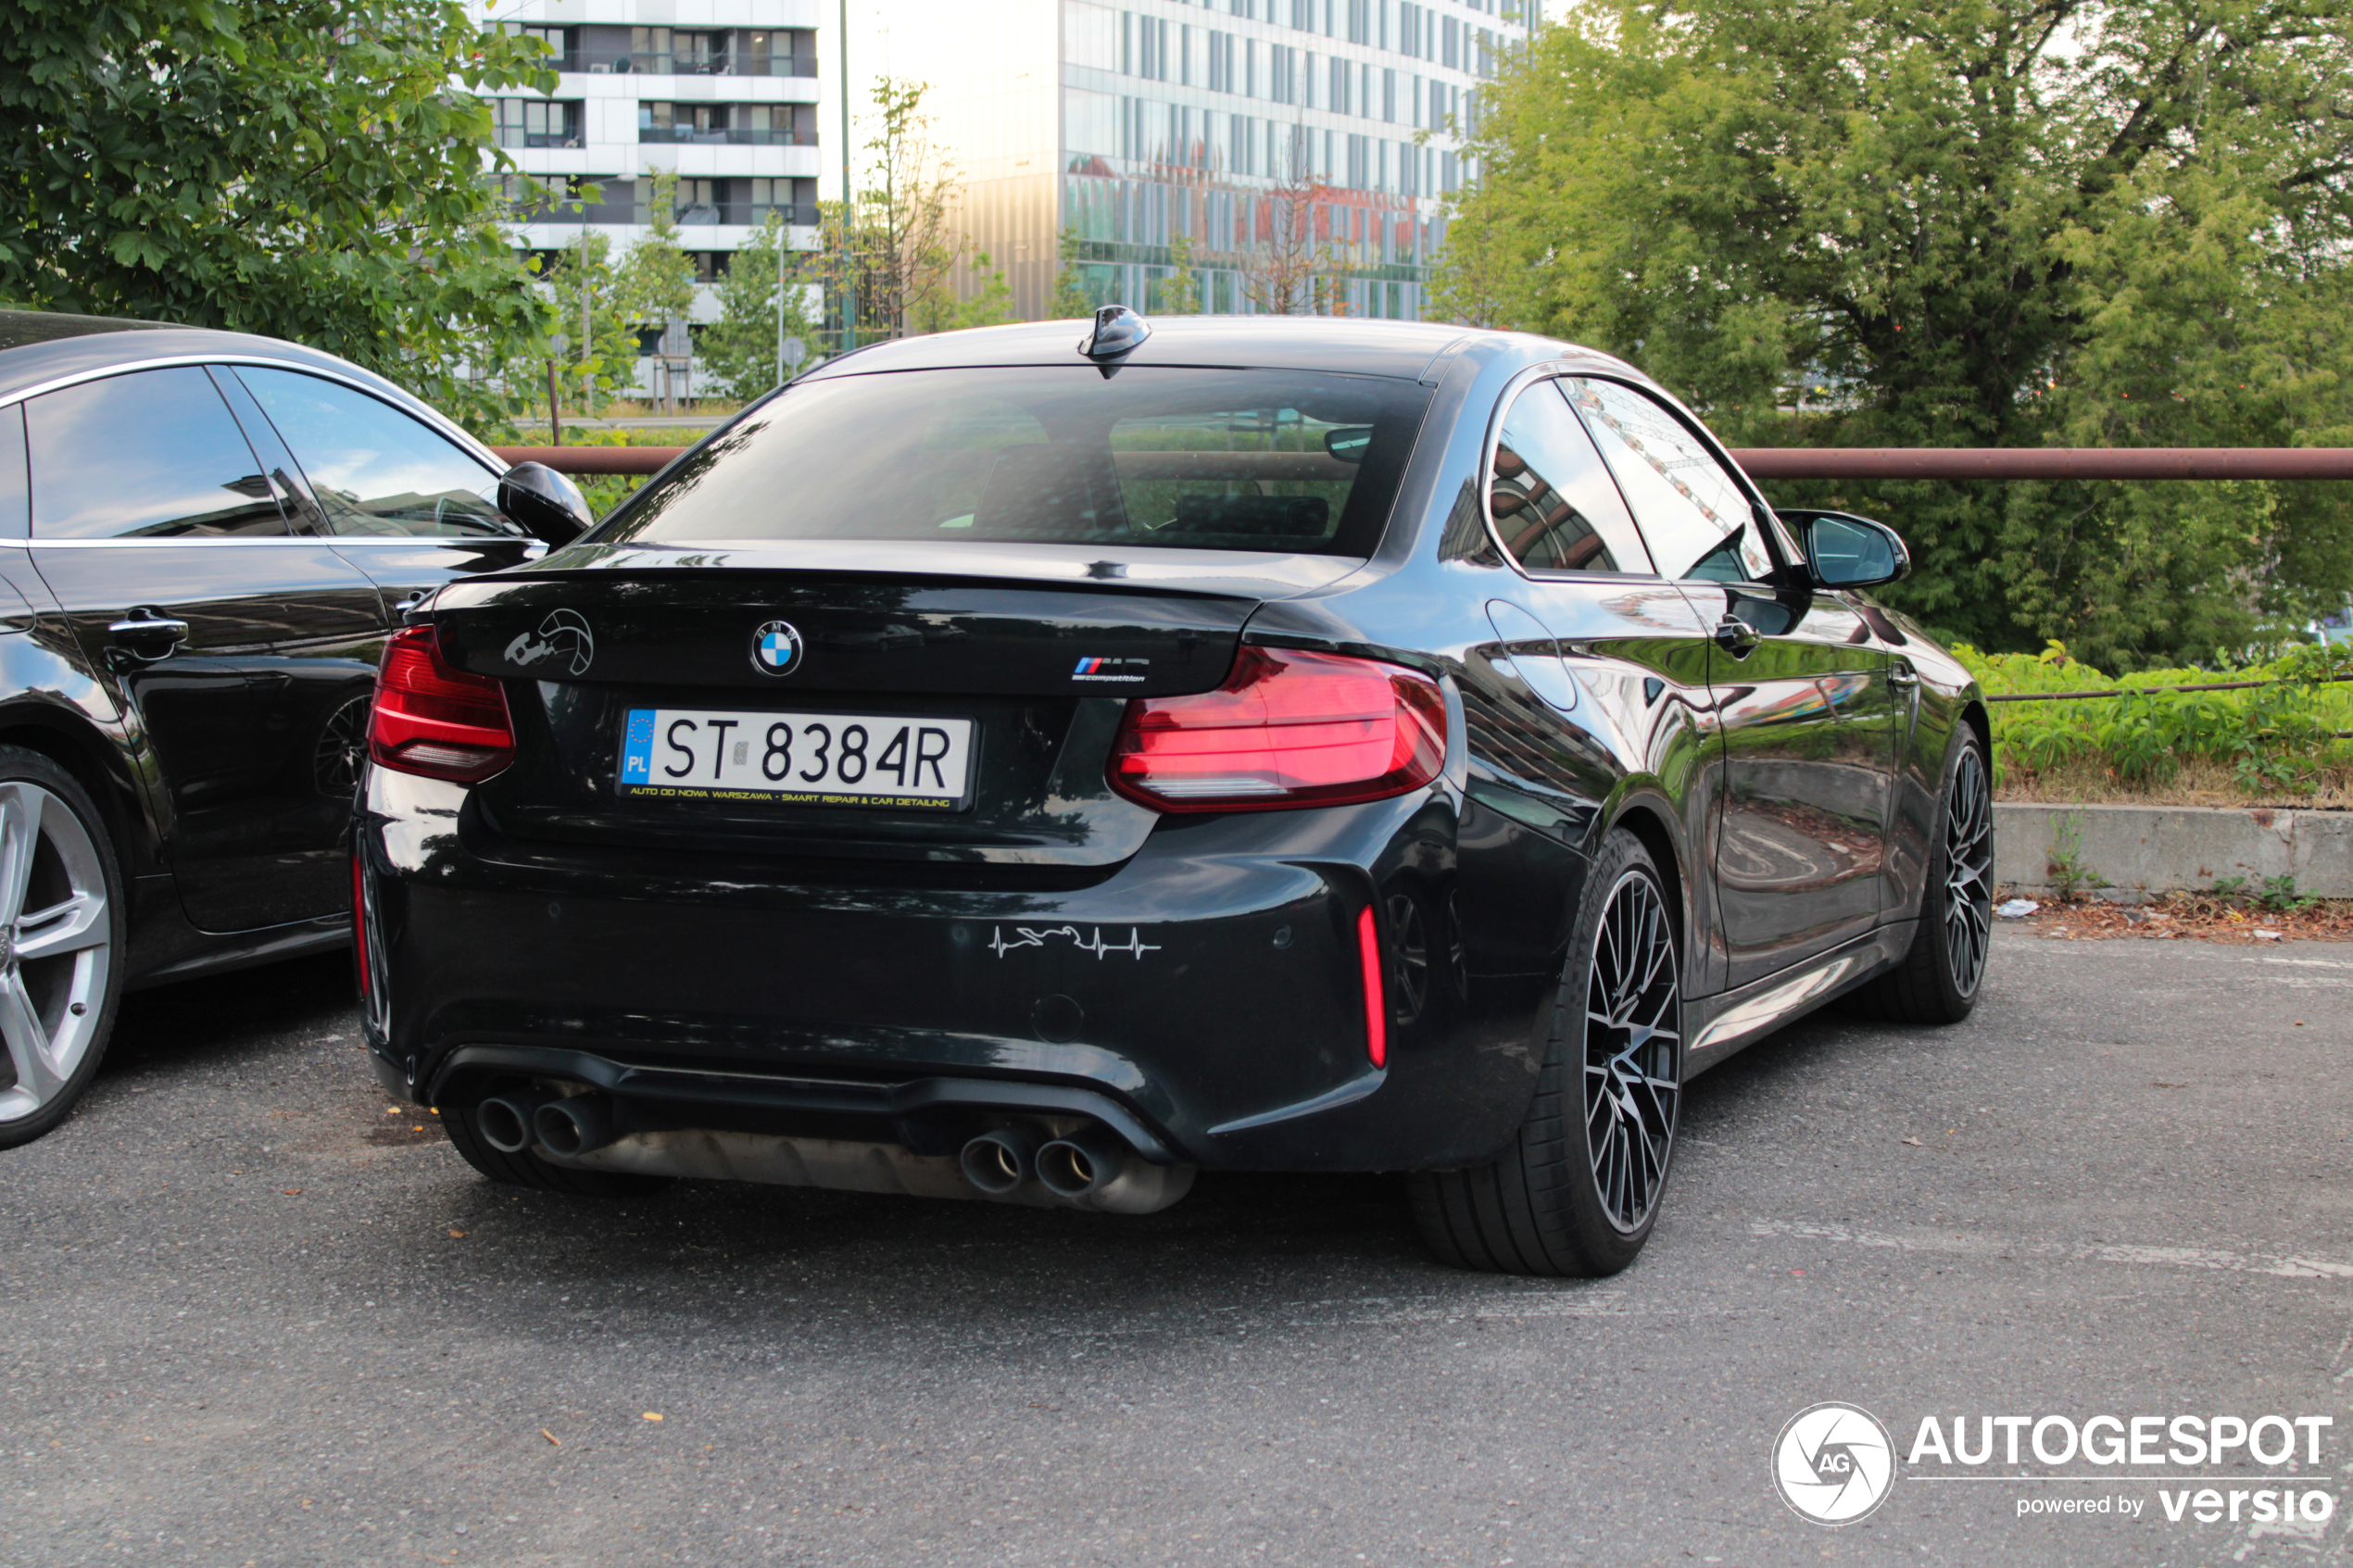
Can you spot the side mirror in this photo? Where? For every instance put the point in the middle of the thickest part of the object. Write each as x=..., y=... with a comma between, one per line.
x=548, y=504
x=1845, y=551
x=1348, y=443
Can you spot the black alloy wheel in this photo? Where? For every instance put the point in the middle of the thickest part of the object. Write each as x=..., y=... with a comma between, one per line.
x=1969, y=873
x=343, y=746
x=1937, y=981
x=1633, y=1051
x=1576, y=1193
x=1409, y=946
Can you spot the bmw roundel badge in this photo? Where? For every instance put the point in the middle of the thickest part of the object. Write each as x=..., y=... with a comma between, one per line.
x=776, y=649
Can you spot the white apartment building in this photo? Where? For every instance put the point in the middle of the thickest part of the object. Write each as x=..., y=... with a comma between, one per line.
x=721, y=93
x=1134, y=122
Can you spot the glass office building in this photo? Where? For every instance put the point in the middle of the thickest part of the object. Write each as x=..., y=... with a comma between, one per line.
x=1131, y=125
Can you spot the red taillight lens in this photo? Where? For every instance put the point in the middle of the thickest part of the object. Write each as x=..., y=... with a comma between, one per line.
x=434, y=720
x=1286, y=729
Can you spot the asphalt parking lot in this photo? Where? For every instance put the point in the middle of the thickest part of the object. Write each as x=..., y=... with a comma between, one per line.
x=252, y=1318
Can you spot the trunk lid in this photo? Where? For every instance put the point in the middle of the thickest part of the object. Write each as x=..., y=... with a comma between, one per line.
x=1036, y=653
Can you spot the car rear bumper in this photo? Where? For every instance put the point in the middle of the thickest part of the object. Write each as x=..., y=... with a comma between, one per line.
x=1205, y=1000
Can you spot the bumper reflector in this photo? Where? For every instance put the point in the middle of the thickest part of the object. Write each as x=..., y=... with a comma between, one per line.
x=1376, y=1005
x=360, y=923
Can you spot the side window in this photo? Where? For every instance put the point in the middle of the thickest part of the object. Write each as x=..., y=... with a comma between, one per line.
x=375, y=470
x=1693, y=513
x=1554, y=507
x=154, y=454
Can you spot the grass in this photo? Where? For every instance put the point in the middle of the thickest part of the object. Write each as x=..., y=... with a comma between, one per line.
x=2282, y=743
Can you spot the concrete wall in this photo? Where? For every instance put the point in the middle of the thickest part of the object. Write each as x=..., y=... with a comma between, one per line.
x=2130, y=849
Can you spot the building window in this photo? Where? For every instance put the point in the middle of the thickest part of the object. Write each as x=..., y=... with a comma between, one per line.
x=537, y=122
x=559, y=41
x=664, y=51
x=767, y=53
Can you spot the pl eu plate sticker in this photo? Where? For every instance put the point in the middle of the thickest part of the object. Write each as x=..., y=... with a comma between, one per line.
x=637, y=747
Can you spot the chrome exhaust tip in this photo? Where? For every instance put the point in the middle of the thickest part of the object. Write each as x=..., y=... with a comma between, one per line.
x=999, y=1162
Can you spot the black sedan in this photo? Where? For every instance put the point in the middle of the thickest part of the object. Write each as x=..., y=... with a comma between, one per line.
x=1010, y=766
x=204, y=539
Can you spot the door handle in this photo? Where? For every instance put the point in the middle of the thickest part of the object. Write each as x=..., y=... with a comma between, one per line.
x=1903, y=677
x=148, y=635
x=1737, y=637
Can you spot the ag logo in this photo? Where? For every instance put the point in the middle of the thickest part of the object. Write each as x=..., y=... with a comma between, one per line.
x=563, y=636
x=1833, y=1464
x=776, y=649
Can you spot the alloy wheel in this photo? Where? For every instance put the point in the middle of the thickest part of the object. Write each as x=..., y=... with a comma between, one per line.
x=1633, y=1050
x=1409, y=940
x=56, y=943
x=1969, y=873
x=343, y=746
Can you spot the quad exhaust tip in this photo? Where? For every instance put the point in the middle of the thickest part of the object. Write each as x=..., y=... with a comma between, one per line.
x=1081, y=1164
x=507, y=1120
x=998, y=1162
x=575, y=1124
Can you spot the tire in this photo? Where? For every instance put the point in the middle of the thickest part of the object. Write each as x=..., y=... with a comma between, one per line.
x=1938, y=979
x=63, y=933
x=526, y=1168
x=1547, y=1205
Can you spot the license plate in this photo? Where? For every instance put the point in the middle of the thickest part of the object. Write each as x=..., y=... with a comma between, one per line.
x=797, y=759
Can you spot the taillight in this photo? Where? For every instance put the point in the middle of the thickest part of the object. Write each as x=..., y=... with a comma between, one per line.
x=1286, y=729
x=432, y=719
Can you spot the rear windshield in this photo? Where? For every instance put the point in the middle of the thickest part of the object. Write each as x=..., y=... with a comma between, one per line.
x=1151, y=454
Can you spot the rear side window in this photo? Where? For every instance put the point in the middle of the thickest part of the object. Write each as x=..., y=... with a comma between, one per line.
x=1153, y=455
x=154, y=454
x=1554, y=507
x=1694, y=514
x=373, y=468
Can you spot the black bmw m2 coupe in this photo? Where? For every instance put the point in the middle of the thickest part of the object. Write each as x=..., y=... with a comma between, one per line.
x=1040, y=763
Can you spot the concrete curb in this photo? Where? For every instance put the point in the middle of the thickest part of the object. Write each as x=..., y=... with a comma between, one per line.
x=2136, y=849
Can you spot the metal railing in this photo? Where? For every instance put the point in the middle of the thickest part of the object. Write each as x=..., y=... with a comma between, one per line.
x=603, y=62
x=1803, y=462
x=748, y=215
x=729, y=136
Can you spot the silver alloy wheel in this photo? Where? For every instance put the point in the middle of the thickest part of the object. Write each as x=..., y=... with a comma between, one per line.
x=1633, y=1050
x=1969, y=873
x=56, y=941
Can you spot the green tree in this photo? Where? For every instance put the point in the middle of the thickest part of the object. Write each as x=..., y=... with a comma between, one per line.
x=601, y=362
x=739, y=350
x=311, y=169
x=899, y=244
x=654, y=284
x=2011, y=222
x=1180, y=292
x=991, y=303
x=1071, y=299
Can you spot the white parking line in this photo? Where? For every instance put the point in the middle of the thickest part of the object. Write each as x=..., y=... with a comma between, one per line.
x=1981, y=1246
